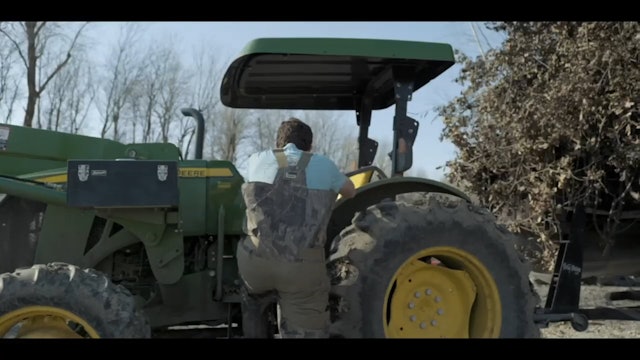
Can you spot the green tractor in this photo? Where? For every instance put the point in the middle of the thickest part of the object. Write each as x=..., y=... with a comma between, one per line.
x=102, y=239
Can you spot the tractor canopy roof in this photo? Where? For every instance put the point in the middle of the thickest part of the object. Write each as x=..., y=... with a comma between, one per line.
x=327, y=73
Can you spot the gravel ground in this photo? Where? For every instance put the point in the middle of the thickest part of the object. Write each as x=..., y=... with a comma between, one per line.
x=594, y=296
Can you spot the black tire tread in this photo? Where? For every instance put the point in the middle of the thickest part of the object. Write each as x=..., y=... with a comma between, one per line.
x=356, y=265
x=109, y=308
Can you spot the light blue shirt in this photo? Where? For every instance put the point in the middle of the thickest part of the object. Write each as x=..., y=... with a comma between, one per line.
x=322, y=173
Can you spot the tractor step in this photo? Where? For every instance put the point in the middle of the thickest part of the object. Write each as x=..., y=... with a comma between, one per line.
x=580, y=320
x=624, y=295
x=613, y=313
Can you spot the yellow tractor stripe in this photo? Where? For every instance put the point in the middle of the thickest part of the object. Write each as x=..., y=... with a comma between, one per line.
x=56, y=179
x=204, y=172
x=190, y=172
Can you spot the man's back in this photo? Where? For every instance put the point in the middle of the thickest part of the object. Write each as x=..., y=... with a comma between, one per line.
x=289, y=195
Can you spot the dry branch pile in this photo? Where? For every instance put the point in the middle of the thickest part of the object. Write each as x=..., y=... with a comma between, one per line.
x=548, y=120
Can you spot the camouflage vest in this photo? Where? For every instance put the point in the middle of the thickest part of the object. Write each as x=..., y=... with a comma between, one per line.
x=286, y=217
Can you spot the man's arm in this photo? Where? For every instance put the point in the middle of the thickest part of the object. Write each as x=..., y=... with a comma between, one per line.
x=340, y=183
x=348, y=190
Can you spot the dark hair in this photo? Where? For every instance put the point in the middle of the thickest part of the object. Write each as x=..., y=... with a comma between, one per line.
x=296, y=132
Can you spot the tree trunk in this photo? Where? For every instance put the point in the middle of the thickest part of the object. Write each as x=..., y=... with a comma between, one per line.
x=32, y=97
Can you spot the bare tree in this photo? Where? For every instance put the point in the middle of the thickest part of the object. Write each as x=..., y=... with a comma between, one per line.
x=264, y=128
x=186, y=133
x=142, y=105
x=382, y=159
x=122, y=74
x=207, y=74
x=52, y=105
x=81, y=100
x=9, y=87
x=160, y=89
x=66, y=105
x=332, y=138
x=173, y=86
x=229, y=134
x=32, y=40
x=147, y=96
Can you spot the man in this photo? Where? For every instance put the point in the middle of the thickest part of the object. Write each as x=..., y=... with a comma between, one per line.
x=289, y=194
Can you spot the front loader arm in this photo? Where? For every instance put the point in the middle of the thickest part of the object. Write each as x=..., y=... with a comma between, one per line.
x=32, y=190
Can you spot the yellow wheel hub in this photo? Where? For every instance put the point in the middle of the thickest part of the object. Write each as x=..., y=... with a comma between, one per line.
x=44, y=322
x=442, y=292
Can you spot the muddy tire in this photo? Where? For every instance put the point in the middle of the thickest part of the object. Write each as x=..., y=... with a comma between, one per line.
x=108, y=309
x=367, y=261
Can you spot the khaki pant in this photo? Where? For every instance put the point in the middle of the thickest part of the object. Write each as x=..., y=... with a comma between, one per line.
x=302, y=289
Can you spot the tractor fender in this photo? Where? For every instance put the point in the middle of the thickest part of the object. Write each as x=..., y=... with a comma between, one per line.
x=374, y=192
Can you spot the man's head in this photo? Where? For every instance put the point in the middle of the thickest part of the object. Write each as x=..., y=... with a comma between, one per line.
x=296, y=132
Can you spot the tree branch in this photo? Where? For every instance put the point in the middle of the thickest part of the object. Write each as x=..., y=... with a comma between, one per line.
x=53, y=73
x=541, y=62
x=39, y=28
x=15, y=43
x=64, y=62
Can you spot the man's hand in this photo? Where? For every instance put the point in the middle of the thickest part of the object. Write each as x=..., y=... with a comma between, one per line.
x=348, y=190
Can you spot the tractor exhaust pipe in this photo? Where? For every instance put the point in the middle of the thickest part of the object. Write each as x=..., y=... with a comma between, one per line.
x=191, y=112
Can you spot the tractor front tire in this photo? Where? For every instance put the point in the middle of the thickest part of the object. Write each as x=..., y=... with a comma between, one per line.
x=442, y=269
x=64, y=301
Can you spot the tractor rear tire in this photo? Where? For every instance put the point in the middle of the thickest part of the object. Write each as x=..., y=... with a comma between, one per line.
x=394, y=275
x=66, y=292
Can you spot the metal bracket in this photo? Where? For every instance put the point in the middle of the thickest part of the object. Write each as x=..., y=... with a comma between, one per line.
x=564, y=290
x=405, y=129
x=579, y=321
x=563, y=298
x=367, y=147
x=164, y=246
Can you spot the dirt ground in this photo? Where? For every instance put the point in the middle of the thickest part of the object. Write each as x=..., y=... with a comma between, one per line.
x=591, y=296
x=594, y=296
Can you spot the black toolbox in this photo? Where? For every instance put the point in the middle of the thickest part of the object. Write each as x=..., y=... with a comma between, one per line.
x=122, y=183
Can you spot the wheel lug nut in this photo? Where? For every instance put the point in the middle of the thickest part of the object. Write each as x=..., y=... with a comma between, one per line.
x=412, y=318
x=440, y=311
x=411, y=305
x=423, y=325
x=428, y=292
x=418, y=294
x=438, y=299
x=434, y=323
